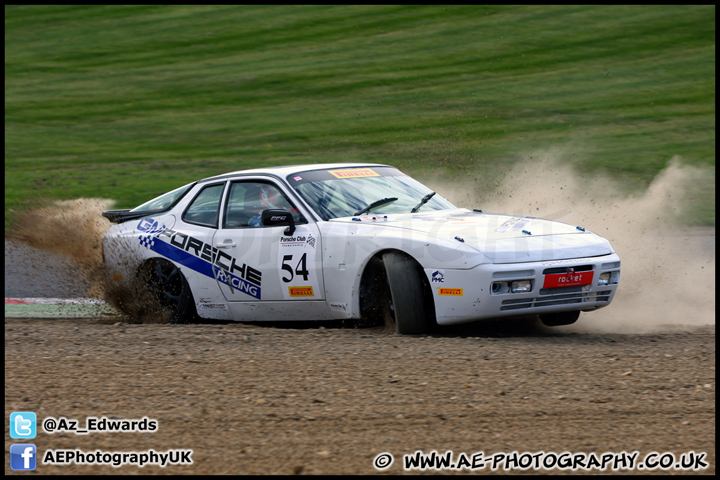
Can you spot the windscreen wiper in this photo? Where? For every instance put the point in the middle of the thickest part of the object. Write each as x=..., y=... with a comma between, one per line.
x=375, y=204
x=422, y=202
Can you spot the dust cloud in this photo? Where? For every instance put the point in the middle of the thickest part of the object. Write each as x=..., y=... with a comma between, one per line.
x=668, y=270
x=74, y=229
x=70, y=228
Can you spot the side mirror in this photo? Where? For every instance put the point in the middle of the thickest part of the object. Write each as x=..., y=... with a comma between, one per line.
x=272, y=218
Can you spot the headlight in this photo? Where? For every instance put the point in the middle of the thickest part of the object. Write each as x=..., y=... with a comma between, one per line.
x=521, y=286
x=604, y=278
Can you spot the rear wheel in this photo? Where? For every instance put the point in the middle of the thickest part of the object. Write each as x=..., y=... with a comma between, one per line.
x=560, y=318
x=408, y=300
x=170, y=288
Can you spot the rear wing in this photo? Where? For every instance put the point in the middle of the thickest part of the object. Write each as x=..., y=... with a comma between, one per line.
x=120, y=216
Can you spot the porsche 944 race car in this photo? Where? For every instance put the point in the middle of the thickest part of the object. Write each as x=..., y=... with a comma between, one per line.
x=355, y=242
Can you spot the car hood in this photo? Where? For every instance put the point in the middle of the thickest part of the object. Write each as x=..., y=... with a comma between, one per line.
x=500, y=238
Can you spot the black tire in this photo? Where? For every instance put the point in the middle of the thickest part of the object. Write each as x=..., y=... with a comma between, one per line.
x=375, y=296
x=560, y=318
x=172, y=291
x=407, y=294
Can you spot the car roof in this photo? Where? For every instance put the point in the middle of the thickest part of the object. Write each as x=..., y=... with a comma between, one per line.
x=290, y=169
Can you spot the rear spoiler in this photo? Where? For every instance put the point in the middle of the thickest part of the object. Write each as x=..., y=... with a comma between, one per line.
x=120, y=216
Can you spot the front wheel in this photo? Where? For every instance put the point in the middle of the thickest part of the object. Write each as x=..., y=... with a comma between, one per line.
x=170, y=288
x=409, y=307
x=560, y=318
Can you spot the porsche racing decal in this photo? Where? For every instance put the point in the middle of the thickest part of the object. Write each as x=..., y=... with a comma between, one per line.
x=201, y=257
x=354, y=173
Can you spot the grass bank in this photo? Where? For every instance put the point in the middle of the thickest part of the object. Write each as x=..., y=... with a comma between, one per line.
x=127, y=102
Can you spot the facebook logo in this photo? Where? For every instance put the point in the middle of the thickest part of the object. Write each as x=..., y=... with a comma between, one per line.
x=23, y=425
x=23, y=456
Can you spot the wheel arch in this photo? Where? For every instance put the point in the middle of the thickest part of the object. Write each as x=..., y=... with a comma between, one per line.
x=186, y=310
x=371, y=268
x=147, y=262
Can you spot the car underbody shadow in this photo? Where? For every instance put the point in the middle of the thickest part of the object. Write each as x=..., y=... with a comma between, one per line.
x=528, y=326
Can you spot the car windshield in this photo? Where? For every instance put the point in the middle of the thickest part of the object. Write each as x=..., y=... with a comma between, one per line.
x=165, y=201
x=344, y=192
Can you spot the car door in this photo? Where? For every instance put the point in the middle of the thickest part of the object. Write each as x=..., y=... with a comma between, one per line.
x=262, y=263
x=188, y=243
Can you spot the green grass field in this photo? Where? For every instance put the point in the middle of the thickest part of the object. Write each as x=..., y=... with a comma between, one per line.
x=127, y=102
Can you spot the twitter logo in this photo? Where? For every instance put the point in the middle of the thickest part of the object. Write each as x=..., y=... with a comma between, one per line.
x=23, y=425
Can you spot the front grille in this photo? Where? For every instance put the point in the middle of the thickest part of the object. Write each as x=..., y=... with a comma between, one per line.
x=556, y=296
x=557, y=290
x=579, y=268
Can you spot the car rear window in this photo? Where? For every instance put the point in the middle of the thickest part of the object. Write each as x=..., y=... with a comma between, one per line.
x=165, y=201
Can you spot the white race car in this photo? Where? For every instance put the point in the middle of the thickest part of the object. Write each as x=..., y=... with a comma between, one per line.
x=361, y=242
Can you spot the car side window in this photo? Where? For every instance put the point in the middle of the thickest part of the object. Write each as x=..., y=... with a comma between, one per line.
x=204, y=209
x=246, y=201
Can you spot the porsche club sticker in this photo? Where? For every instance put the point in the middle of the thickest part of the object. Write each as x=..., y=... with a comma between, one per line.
x=339, y=306
x=355, y=173
x=212, y=306
x=296, y=264
x=453, y=292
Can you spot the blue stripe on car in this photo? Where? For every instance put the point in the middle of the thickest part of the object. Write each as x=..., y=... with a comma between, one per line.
x=204, y=267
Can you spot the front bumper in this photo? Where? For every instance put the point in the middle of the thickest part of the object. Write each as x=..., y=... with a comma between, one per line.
x=463, y=296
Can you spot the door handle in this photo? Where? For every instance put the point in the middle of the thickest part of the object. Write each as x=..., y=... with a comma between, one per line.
x=226, y=244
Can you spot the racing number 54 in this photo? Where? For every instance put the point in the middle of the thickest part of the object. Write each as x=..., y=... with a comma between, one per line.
x=300, y=269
